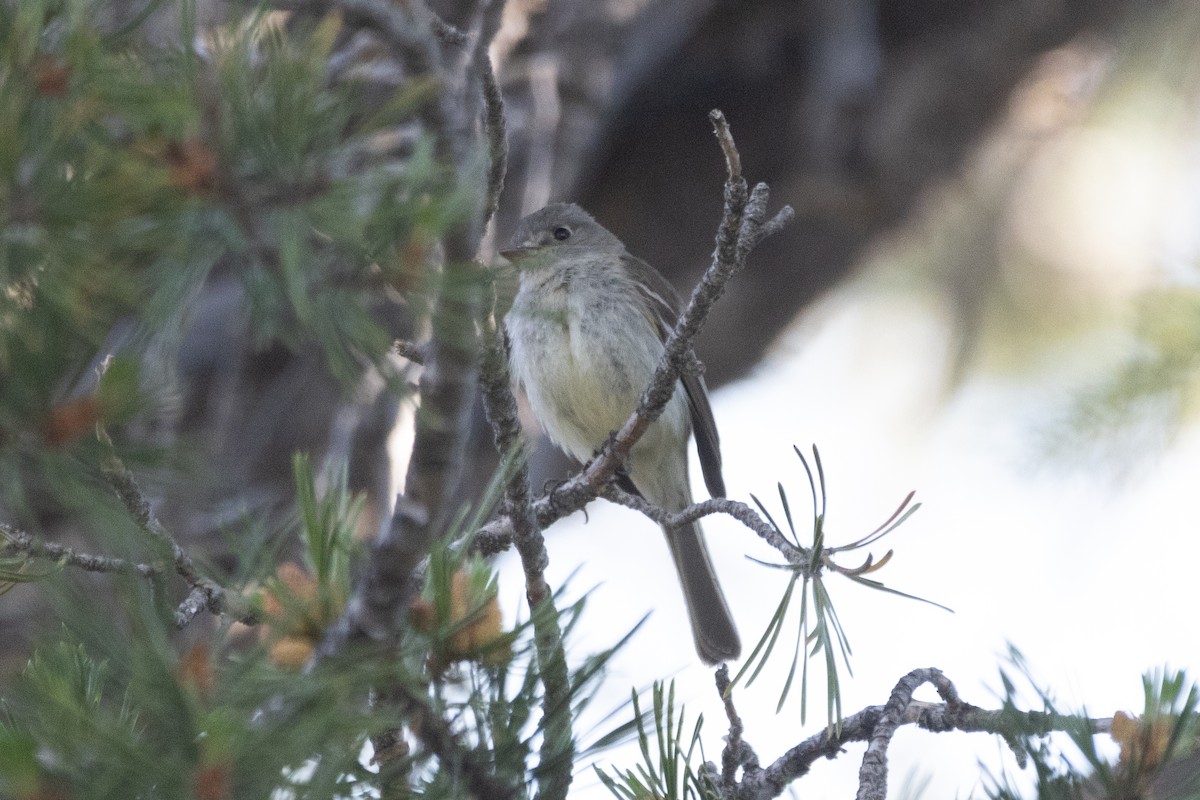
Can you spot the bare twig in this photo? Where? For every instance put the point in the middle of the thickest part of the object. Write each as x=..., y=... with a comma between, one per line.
x=495, y=127
x=733, y=160
x=492, y=118
x=501, y=409
x=17, y=541
x=122, y=482
x=415, y=353
x=877, y=724
x=497, y=535
x=205, y=593
x=557, y=753
x=717, y=505
x=737, y=752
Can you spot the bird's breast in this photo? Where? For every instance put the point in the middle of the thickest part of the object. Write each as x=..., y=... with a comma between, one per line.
x=584, y=352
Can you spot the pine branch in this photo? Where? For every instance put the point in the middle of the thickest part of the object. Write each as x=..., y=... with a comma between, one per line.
x=737, y=753
x=381, y=593
x=876, y=725
x=18, y=541
x=716, y=505
x=205, y=593
x=558, y=746
x=436, y=735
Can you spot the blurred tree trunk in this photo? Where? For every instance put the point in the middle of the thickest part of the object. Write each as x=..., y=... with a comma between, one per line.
x=850, y=109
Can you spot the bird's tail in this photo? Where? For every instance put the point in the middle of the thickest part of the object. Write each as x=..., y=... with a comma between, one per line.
x=712, y=625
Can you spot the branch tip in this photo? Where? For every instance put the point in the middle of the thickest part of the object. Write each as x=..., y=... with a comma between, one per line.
x=733, y=161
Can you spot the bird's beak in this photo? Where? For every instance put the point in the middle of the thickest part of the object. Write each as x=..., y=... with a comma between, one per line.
x=518, y=254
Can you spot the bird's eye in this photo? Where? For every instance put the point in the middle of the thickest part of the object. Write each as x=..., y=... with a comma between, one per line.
x=562, y=234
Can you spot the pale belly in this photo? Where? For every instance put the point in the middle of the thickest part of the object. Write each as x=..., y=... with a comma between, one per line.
x=583, y=385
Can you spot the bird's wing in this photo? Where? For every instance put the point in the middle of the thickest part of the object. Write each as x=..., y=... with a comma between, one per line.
x=661, y=304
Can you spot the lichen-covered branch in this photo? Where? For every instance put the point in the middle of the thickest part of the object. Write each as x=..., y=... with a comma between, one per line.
x=738, y=754
x=717, y=505
x=204, y=593
x=18, y=541
x=557, y=752
x=876, y=725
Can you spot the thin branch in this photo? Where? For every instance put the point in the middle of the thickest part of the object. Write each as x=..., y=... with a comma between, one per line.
x=737, y=752
x=775, y=224
x=497, y=535
x=717, y=505
x=17, y=541
x=124, y=485
x=494, y=125
x=501, y=409
x=205, y=593
x=876, y=724
x=558, y=743
x=495, y=128
x=733, y=161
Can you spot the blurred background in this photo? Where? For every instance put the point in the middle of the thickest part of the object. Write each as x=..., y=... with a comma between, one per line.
x=988, y=296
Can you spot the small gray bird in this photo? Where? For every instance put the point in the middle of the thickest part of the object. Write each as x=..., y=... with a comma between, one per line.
x=587, y=330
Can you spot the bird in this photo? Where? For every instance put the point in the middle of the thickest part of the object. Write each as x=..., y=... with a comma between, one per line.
x=587, y=329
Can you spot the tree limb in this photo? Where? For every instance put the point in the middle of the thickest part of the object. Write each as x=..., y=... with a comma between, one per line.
x=18, y=541
x=205, y=593
x=717, y=505
x=381, y=592
x=558, y=746
x=737, y=753
x=877, y=724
